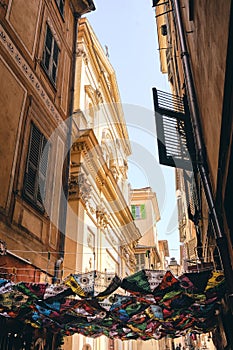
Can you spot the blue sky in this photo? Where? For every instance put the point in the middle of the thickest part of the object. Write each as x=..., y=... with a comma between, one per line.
x=128, y=29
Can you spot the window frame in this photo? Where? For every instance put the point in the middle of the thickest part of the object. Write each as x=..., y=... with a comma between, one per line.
x=48, y=55
x=34, y=167
x=140, y=261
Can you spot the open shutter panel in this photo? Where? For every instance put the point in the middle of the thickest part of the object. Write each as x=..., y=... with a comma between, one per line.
x=37, y=163
x=30, y=183
x=133, y=210
x=174, y=131
x=143, y=211
x=43, y=164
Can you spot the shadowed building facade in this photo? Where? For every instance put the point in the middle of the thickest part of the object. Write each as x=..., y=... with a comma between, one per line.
x=195, y=39
x=37, y=45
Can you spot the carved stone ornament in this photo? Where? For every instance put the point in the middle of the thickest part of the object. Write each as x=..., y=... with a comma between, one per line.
x=78, y=146
x=81, y=53
x=102, y=216
x=94, y=94
x=79, y=187
x=90, y=240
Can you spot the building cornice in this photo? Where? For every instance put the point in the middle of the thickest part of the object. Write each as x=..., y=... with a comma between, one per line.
x=102, y=66
x=87, y=144
x=81, y=7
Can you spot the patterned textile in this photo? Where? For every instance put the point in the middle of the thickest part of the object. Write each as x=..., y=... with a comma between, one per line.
x=6, y=286
x=168, y=282
x=33, y=290
x=124, y=307
x=72, y=282
x=155, y=312
x=137, y=283
x=216, y=279
x=93, y=283
x=148, y=305
x=112, y=284
x=154, y=278
x=56, y=292
x=198, y=279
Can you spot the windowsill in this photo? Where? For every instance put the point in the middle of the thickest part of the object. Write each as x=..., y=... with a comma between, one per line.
x=36, y=207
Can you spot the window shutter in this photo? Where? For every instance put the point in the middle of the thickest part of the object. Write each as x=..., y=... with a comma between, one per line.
x=42, y=171
x=143, y=211
x=133, y=210
x=50, y=56
x=32, y=163
x=140, y=261
x=142, y=258
x=174, y=130
x=37, y=162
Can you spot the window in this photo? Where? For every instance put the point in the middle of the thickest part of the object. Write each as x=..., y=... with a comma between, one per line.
x=60, y=5
x=50, y=55
x=36, y=168
x=140, y=261
x=138, y=211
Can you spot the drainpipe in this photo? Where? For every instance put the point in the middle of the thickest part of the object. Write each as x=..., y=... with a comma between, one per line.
x=201, y=157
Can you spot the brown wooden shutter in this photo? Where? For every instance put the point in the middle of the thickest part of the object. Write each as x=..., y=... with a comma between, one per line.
x=37, y=162
x=42, y=170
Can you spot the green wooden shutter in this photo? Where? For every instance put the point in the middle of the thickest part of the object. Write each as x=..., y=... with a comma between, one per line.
x=143, y=211
x=133, y=211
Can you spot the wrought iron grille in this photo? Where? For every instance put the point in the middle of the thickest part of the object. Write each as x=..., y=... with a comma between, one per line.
x=174, y=135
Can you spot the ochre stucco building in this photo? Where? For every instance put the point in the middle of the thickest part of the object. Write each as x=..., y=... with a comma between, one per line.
x=37, y=53
x=101, y=234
